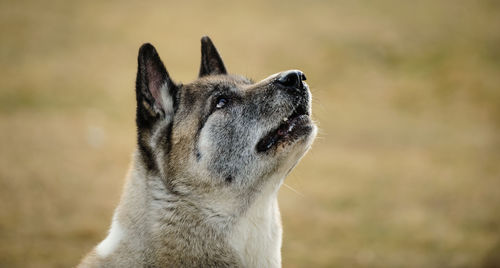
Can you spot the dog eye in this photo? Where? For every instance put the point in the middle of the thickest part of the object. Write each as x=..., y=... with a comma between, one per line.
x=221, y=102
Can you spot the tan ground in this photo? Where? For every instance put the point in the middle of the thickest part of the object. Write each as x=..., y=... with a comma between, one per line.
x=406, y=169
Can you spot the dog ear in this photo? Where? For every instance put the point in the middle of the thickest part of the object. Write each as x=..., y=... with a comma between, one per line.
x=155, y=91
x=211, y=62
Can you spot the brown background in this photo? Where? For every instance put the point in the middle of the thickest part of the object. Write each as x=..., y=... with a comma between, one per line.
x=405, y=171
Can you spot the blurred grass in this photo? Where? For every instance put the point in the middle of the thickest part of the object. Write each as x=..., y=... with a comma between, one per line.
x=405, y=171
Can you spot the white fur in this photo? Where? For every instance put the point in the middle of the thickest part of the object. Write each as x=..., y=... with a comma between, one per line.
x=257, y=235
x=167, y=102
x=108, y=245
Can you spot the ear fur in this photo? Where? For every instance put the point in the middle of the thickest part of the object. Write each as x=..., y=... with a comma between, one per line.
x=155, y=91
x=211, y=62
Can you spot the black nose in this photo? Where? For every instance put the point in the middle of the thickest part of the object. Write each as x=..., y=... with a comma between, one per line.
x=292, y=79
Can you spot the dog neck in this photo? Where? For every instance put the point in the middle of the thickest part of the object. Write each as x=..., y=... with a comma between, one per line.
x=157, y=227
x=256, y=236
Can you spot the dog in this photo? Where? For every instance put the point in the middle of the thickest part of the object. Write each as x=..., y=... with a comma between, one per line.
x=211, y=156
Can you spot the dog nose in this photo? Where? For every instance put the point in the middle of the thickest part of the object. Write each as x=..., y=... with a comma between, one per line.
x=292, y=79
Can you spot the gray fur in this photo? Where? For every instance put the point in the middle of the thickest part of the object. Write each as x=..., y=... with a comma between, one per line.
x=208, y=183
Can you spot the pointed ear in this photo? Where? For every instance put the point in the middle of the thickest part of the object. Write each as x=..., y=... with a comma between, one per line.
x=155, y=91
x=211, y=62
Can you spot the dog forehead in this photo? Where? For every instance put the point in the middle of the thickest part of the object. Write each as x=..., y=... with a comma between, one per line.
x=207, y=83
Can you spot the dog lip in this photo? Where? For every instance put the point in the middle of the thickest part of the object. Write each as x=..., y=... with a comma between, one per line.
x=291, y=128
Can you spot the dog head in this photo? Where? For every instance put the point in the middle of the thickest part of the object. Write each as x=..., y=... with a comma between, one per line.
x=222, y=136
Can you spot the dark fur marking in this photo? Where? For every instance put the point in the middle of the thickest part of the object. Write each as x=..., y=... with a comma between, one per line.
x=166, y=138
x=146, y=155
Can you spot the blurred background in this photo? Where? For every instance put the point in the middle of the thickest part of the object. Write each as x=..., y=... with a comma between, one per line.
x=405, y=171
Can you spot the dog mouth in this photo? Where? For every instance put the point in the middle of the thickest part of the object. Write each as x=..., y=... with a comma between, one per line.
x=290, y=129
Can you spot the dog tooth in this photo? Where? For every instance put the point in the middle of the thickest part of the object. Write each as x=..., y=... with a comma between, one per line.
x=285, y=119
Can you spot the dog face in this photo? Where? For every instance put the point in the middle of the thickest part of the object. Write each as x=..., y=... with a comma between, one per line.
x=221, y=138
